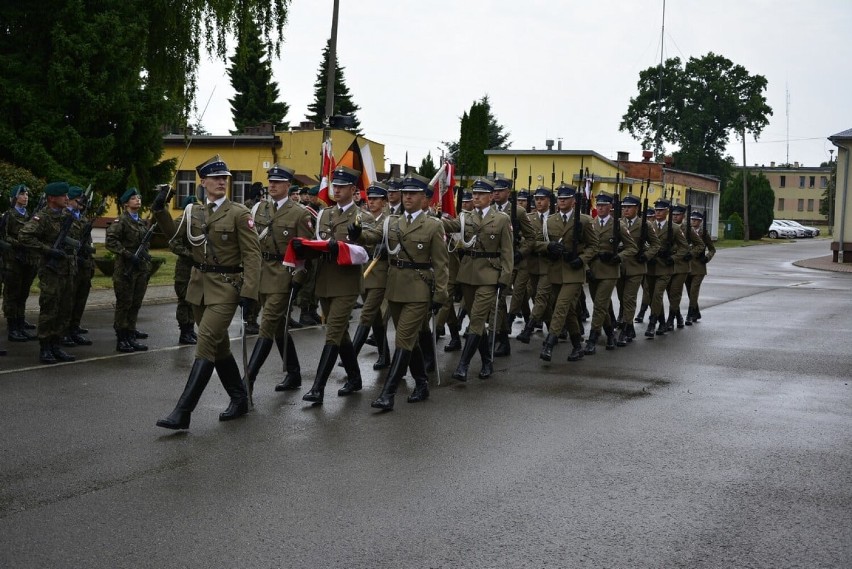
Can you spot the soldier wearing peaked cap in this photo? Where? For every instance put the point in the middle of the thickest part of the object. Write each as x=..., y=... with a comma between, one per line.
x=538, y=265
x=394, y=196
x=633, y=268
x=672, y=244
x=447, y=315
x=21, y=266
x=183, y=272
x=652, y=260
x=703, y=250
x=416, y=285
x=337, y=286
x=278, y=221
x=225, y=274
x=484, y=272
x=681, y=267
x=501, y=204
x=520, y=305
x=56, y=269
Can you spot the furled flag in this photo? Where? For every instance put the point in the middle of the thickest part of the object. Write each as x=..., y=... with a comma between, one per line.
x=327, y=168
x=358, y=157
x=347, y=253
x=442, y=185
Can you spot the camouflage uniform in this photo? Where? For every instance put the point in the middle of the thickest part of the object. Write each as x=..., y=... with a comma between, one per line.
x=130, y=277
x=21, y=267
x=81, y=284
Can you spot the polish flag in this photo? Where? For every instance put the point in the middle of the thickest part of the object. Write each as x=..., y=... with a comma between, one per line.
x=328, y=166
x=442, y=185
x=347, y=253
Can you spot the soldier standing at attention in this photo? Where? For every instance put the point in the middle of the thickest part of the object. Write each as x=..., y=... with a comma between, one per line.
x=55, y=272
x=416, y=285
x=21, y=267
x=183, y=271
x=81, y=284
x=132, y=271
x=337, y=286
x=704, y=250
x=225, y=275
x=278, y=220
x=568, y=257
x=485, y=271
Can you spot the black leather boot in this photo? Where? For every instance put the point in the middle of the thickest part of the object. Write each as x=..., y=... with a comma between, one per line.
x=61, y=354
x=384, y=349
x=547, y=349
x=66, y=341
x=45, y=355
x=252, y=328
x=662, y=325
x=485, y=354
x=525, y=334
x=130, y=337
x=186, y=336
x=293, y=379
x=679, y=319
x=229, y=375
x=670, y=321
x=697, y=316
x=577, y=352
x=631, y=332
x=326, y=364
x=28, y=326
x=121, y=344
x=359, y=337
x=503, y=348
x=15, y=334
x=77, y=338
x=623, y=336
x=610, y=338
x=22, y=328
x=641, y=316
x=138, y=334
x=259, y=353
x=198, y=378
x=471, y=343
x=454, y=344
x=652, y=323
x=421, y=381
x=690, y=312
x=399, y=363
x=428, y=349
x=591, y=343
x=353, y=370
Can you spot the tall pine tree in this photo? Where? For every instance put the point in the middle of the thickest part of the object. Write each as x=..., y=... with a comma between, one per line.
x=343, y=104
x=480, y=131
x=256, y=98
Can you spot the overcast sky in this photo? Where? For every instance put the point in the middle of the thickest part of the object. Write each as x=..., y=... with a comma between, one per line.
x=556, y=68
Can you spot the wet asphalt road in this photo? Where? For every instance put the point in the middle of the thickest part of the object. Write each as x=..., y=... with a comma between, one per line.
x=727, y=444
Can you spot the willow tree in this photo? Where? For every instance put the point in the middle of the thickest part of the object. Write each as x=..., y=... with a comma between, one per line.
x=89, y=100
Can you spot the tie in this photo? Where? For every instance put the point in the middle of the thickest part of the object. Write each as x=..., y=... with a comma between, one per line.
x=410, y=218
x=602, y=223
x=479, y=213
x=542, y=218
x=342, y=211
x=660, y=225
x=564, y=218
x=274, y=206
x=211, y=207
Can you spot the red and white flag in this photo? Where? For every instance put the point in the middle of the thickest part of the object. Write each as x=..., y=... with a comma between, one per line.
x=442, y=185
x=347, y=253
x=328, y=166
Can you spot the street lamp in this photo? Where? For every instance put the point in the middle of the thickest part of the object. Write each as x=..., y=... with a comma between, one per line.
x=745, y=183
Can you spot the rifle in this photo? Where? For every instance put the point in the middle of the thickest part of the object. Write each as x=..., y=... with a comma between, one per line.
x=616, y=226
x=62, y=238
x=81, y=249
x=514, y=205
x=643, y=233
x=578, y=227
x=142, y=249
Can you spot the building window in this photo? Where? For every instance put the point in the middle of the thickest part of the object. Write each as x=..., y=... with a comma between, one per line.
x=812, y=182
x=185, y=186
x=780, y=204
x=823, y=182
x=240, y=185
x=801, y=205
x=801, y=181
x=783, y=181
x=810, y=205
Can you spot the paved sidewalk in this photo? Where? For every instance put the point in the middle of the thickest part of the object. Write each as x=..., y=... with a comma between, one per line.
x=824, y=263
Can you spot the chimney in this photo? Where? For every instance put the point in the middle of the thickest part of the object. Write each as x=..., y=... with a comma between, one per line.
x=549, y=143
x=772, y=164
x=624, y=157
x=394, y=172
x=795, y=164
x=306, y=125
x=669, y=161
x=646, y=155
x=559, y=144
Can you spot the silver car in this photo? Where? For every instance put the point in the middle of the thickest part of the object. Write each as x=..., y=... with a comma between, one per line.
x=779, y=230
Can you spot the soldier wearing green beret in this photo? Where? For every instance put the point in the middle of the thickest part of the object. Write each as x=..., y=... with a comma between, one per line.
x=56, y=269
x=21, y=266
x=81, y=284
x=132, y=270
x=183, y=271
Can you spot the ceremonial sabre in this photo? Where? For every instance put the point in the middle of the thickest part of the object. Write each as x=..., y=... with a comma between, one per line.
x=494, y=326
x=245, y=356
x=287, y=328
x=435, y=346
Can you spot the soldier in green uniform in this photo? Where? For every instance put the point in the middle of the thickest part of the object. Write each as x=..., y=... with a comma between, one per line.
x=569, y=258
x=538, y=265
x=278, y=220
x=21, y=266
x=447, y=315
x=501, y=204
x=484, y=272
x=56, y=269
x=337, y=286
x=306, y=298
x=132, y=270
x=225, y=276
x=81, y=284
x=682, y=267
x=257, y=194
x=416, y=285
x=394, y=196
x=646, y=289
x=672, y=244
x=605, y=269
x=183, y=272
x=704, y=251
x=520, y=305
x=633, y=268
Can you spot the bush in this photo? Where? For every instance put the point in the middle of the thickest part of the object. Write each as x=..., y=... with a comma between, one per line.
x=737, y=228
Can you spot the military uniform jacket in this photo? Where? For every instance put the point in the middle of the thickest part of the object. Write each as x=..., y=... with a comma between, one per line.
x=123, y=237
x=81, y=231
x=682, y=248
x=660, y=265
x=603, y=269
x=183, y=264
x=15, y=221
x=39, y=235
x=378, y=277
x=537, y=261
x=558, y=230
x=418, y=260
x=487, y=259
x=333, y=279
x=702, y=244
x=275, y=229
x=631, y=265
x=223, y=239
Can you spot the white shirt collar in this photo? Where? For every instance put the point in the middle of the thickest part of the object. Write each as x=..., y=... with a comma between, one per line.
x=218, y=202
x=280, y=203
x=485, y=210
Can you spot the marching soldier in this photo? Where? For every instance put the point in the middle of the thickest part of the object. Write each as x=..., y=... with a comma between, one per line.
x=447, y=315
x=520, y=305
x=633, y=267
x=646, y=289
x=484, y=272
x=569, y=256
x=21, y=266
x=257, y=194
x=605, y=269
x=681, y=268
x=337, y=286
x=500, y=201
x=56, y=269
x=278, y=220
x=183, y=272
x=672, y=244
x=225, y=275
x=306, y=299
x=394, y=196
x=132, y=270
x=538, y=265
x=81, y=284
x=416, y=284
x=704, y=251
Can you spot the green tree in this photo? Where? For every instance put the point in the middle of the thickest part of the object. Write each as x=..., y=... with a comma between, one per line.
x=256, y=94
x=761, y=202
x=87, y=102
x=491, y=132
x=343, y=104
x=427, y=166
x=696, y=107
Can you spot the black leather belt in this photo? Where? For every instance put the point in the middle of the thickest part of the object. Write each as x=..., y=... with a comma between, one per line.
x=481, y=254
x=204, y=268
x=270, y=257
x=400, y=264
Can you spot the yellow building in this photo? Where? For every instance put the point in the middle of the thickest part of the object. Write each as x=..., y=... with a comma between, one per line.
x=841, y=243
x=798, y=190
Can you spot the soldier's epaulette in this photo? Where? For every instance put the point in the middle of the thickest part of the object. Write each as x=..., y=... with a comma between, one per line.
x=501, y=212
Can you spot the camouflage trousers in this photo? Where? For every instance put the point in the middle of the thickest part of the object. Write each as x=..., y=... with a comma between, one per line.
x=18, y=278
x=81, y=285
x=183, y=312
x=129, y=293
x=54, y=305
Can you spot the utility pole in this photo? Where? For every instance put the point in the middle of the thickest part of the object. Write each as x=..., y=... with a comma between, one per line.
x=745, y=185
x=332, y=65
x=831, y=190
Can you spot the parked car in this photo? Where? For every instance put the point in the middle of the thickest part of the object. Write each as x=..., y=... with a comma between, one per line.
x=809, y=231
x=779, y=230
x=798, y=231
